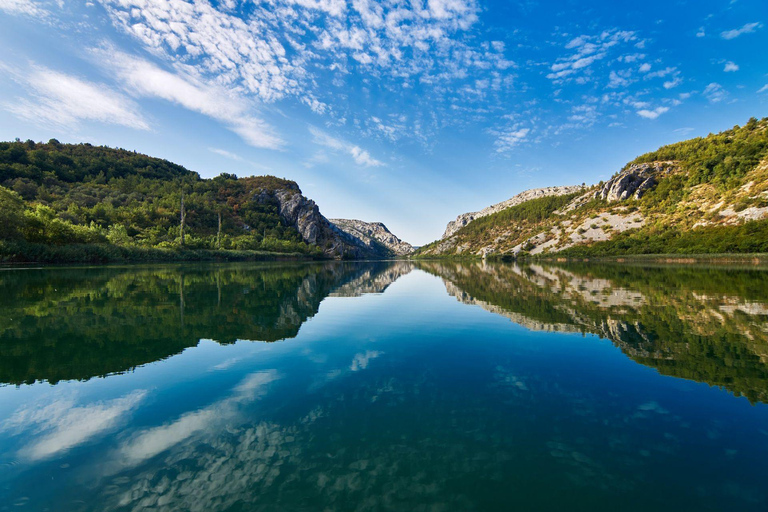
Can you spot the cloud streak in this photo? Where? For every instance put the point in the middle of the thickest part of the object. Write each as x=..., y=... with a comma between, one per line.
x=746, y=29
x=144, y=79
x=64, y=100
x=359, y=155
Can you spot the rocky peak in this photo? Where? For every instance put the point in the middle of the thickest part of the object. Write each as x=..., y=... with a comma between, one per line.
x=634, y=181
x=374, y=235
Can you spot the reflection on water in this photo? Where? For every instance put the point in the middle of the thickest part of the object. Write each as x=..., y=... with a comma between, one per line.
x=706, y=324
x=386, y=393
x=76, y=324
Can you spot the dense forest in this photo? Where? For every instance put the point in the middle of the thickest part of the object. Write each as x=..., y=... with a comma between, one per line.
x=94, y=203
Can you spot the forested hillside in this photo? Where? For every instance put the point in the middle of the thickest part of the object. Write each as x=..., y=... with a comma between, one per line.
x=56, y=198
x=701, y=196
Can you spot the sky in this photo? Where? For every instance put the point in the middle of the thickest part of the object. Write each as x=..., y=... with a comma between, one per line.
x=406, y=112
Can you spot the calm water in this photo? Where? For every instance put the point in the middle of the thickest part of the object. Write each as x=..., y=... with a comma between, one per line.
x=384, y=386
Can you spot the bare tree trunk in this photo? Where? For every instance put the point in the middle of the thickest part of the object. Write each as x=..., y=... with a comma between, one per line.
x=218, y=235
x=183, y=217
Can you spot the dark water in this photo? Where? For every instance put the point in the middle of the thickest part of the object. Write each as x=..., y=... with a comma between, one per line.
x=384, y=386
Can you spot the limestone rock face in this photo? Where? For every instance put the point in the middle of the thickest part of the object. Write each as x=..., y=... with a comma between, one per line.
x=375, y=235
x=465, y=218
x=634, y=181
x=302, y=213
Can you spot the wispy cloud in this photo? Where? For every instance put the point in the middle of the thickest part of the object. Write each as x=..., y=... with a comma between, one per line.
x=715, y=92
x=64, y=100
x=509, y=139
x=23, y=7
x=359, y=155
x=145, y=79
x=585, y=50
x=746, y=29
x=730, y=67
x=225, y=153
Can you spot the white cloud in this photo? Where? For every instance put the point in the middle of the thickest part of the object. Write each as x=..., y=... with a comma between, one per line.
x=279, y=49
x=645, y=68
x=24, y=7
x=701, y=32
x=746, y=29
x=64, y=100
x=507, y=140
x=671, y=84
x=360, y=156
x=715, y=93
x=763, y=89
x=272, y=53
x=662, y=72
x=63, y=425
x=143, y=78
x=588, y=49
x=652, y=114
x=730, y=66
x=618, y=79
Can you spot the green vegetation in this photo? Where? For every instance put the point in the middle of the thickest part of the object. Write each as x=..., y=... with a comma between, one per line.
x=523, y=219
x=63, y=202
x=750, y=237
x=532, y=212
x=722, y=158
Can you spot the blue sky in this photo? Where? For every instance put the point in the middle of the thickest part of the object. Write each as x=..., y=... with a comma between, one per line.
x=408, y=112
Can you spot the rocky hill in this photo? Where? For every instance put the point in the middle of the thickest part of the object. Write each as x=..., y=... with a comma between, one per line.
x=705, y=195
x=375, y=236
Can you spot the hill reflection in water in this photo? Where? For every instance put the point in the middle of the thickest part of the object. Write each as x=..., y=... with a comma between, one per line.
x=64, y=324
x=699, y=323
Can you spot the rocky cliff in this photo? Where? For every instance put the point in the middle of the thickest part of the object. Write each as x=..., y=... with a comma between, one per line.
x=465, y=218
x=635, y=181
x=303, y=214
x=374, y=235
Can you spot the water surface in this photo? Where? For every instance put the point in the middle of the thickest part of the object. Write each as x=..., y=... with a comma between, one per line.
x=384, y=386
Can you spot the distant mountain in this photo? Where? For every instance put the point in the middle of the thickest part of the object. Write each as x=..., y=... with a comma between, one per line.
x=78, y=202
x=375, y=235
x=705, y=195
